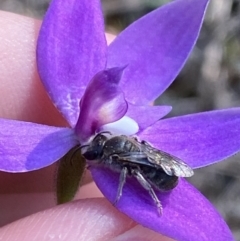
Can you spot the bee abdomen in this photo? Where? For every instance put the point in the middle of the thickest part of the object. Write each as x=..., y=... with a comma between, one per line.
x=159, y=179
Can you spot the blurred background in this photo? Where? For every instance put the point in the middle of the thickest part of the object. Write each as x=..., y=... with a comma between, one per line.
x=210, y=80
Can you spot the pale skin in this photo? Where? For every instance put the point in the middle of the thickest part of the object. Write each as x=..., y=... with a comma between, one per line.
x=22, y=97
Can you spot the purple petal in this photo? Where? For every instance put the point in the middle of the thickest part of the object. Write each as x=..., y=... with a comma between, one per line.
x=26, y=146
x=199, y=139
x=71, y=50
x=156, y=47
x=187, y=215
x=146, y=115
x=103, y=102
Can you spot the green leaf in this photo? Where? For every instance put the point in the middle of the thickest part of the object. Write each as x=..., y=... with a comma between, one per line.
x=70, y=171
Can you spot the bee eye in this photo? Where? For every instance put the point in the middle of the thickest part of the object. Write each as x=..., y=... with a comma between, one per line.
x=91, y=155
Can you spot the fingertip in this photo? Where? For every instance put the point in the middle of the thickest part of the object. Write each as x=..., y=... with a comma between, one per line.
x=140, y=233
x=79, y=220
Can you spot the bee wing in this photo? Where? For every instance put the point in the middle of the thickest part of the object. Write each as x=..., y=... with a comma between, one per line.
x=148, y=155
x=135, y=157
x=172, y=165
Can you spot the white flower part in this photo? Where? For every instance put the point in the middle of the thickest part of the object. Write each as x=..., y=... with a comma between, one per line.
x=124, y=126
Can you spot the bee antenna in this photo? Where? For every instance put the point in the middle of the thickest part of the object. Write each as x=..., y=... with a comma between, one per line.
x=76, y=149
x=80, y=147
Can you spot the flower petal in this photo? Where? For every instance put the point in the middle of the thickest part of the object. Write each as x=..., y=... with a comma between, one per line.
x=198, y=139
x=103, y=102
x=71, y=50
x=147, y=115
x=156, y=47
x=26, y=146
x=187, y=215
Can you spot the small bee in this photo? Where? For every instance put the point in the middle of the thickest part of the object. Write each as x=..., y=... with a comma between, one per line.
x=153, y=168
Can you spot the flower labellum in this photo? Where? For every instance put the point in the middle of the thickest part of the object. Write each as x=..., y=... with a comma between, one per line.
x=96, y=86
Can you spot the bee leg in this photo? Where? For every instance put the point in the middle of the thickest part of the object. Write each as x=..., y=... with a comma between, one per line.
x=146, y=143
x=136, y=138
x=146, y=185
x=122, y=181
x=105, y=132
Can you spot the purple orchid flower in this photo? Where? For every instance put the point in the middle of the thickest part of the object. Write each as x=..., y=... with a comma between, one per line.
x=97, y=88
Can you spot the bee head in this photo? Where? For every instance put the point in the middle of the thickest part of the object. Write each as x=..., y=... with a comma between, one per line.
x=95, y=149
